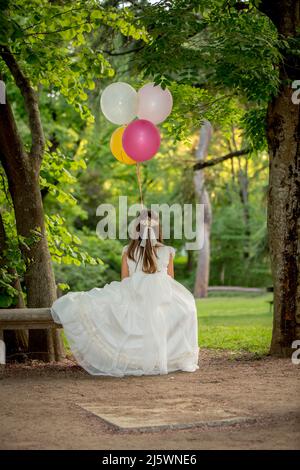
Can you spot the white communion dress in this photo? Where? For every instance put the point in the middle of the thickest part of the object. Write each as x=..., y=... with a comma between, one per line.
x=146, y=324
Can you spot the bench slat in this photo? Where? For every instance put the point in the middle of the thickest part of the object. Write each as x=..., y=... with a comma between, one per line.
x=22, y=318
x=22, y=325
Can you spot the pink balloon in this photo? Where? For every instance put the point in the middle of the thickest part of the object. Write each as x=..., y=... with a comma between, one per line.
x=141, y=140
x=154, y=103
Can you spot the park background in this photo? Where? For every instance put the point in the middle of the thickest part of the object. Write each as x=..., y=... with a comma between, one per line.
x=224, y=64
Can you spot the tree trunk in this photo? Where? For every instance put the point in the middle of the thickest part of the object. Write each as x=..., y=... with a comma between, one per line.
x=283, y=133
x=244, y=198
x=284, y=219
x=16, y=341
x=202, y=272
x=23, y=181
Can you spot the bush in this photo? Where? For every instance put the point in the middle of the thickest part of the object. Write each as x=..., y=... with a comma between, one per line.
x=85, y=277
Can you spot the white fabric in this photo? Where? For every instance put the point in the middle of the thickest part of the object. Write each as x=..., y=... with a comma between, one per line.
x=145, y=324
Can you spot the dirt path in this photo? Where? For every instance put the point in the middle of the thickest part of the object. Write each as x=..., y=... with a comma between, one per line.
x=39, y=405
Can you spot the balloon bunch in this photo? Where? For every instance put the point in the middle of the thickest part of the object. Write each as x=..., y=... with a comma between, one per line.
x=137, y=140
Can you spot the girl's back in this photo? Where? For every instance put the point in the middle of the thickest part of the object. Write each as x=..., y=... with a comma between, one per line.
x=163, y=253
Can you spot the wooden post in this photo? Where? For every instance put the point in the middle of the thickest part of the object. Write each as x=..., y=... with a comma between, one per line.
x=2, y=349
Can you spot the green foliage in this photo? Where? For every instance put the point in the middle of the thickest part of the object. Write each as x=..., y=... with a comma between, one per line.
x=254, y=125
x=86, y=277
x=182, y=275
x=220, y=51
x=7, y=292
x=193, y=105
x=57, y=175
x=52, y=43
x=64, y=246
x=229, y=246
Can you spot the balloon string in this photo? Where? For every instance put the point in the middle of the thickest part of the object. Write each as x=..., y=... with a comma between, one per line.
x=138, y=174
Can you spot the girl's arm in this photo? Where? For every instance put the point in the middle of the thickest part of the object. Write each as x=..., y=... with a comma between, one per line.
x=171, y=267
x=124, y=268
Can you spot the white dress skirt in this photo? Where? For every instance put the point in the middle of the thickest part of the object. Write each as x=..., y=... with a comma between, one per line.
x=144, y=325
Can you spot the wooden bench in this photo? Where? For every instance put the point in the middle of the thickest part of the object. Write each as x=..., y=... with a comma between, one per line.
x=24, y=319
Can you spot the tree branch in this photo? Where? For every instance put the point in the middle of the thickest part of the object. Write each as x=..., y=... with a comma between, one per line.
x=215, y=161
x=31, y=103
x=44, y=33
x=123, y=52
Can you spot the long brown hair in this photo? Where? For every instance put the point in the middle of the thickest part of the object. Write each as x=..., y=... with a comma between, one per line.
x=148, y=253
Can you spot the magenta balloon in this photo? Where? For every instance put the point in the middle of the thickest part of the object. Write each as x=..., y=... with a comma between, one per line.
x=141, y=140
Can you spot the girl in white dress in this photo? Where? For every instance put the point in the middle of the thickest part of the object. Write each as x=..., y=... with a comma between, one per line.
x=146, y=324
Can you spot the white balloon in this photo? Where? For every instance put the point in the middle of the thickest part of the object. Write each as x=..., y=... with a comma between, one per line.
x=154, y=103
x=119, y=103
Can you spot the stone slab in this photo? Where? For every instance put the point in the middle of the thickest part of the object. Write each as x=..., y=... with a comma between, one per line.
x=166, y=414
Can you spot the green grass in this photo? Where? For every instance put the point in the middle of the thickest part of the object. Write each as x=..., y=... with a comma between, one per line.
x=239, y=323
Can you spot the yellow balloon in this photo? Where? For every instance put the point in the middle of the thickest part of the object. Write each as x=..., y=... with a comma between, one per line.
x=116, y=147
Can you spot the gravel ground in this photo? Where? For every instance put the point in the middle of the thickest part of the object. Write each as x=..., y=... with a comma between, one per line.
x=39, y=405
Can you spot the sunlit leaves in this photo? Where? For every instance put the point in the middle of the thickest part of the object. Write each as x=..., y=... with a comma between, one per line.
x=52, y=43
x=64, y=246
x=194, y=104
x=56, y=177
